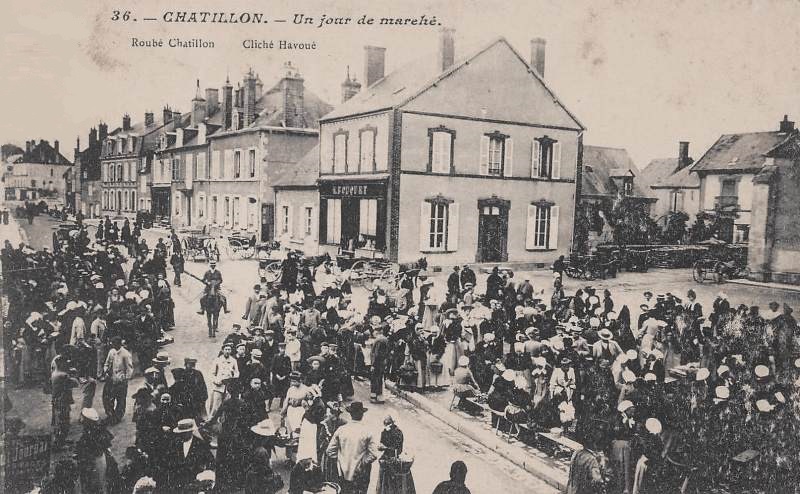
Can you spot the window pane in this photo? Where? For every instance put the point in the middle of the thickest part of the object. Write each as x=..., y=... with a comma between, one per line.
x=495, y=156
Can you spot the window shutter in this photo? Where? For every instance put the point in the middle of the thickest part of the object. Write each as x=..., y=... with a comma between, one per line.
x=556, y=160
x=483, y=165
x=536, y=158
x=424, y=226
x=322, y=234
x=363, y=216
x=290, y=226
x=530, y=232
x=331, y=225
x=337, y=221
x=214, y=165
x=447, y=144
x=508, y=160
x=679, y=202
x=452, y=227
x=553, y=227
x=227, y=165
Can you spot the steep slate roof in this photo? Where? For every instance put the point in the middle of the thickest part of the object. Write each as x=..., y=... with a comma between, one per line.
x=739, y=152
x=270, y=107
x=599, y=164
x=684, y=178
x=409, y=81
x=304, y=173
x=658, y=169
x=44, y=152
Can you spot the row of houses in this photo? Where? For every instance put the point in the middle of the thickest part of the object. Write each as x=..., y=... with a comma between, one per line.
x=458, y=159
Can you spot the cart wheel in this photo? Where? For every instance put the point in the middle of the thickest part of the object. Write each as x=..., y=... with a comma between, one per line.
x=572, y=272
x=389, y=278
x=698, y=274
x=248, y=252
x=357, y=274
x=273, y=271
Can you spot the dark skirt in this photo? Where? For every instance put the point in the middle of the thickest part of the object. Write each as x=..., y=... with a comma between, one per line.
x=392, y=480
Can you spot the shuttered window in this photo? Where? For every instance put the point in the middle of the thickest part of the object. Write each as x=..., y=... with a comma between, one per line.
x=496, y=156
x=439, y=222
x=545, y=158
x=542, y=227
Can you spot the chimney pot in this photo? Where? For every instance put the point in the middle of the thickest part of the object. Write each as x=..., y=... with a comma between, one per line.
x=227, y=105
x=56, y=148
x=350, y=87
x=126, y=122
x=249, y=98
x=447, y=50
x=538, y=55
x=374, y=64
x=167, y=115
x=28, y=147
x=149, y=119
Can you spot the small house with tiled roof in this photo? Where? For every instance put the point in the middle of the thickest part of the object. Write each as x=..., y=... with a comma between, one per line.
x=726, y=172
x=609, y=175
x=674, y=184
x=459, y=159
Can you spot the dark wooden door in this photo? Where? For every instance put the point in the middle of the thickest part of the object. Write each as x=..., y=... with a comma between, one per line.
x=267, y=222
x=493, y=234
x=350, y=223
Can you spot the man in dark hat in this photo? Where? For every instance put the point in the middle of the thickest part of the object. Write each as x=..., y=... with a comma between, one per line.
x=379, y=359
x=355, y=449
x=213, y=280
x=196, y=384
x=454, y=284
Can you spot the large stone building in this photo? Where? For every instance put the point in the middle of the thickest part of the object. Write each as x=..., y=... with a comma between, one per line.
x=259, y=129
x=460, y=161
x=37, y=174
x=726, y=172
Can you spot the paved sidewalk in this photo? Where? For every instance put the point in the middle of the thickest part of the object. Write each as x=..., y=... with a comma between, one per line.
x=552, y=471
x=772, y=286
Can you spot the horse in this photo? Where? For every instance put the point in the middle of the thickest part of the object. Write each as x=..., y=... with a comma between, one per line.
x=213, y=304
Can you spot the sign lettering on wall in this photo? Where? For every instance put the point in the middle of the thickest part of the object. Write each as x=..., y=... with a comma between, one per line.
x=352, y=189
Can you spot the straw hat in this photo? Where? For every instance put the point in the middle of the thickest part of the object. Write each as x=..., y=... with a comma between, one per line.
x=463, y=361
x=264, y=428
x=185, y=425
x=624, y=405
x=628, y=376
x=653, y=426
x=702, y=374
x=90, y=414
x=722, y=392
x=761, y=371
x=509, y=375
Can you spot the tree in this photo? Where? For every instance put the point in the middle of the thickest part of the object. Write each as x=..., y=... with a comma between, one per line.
x=675, y=229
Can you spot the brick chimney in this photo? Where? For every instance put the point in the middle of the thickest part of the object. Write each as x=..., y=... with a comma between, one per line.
x=786, y=125
x=249, y=102
x=167, y=115
x=537, y=55
x=126, y=122
x=227, y=104
x=293, y=105
x=102, y=131
x=56, y=149
x=177, y=123
x=28, y=146
x=212, y=100
x=374, y=64
x=447, y=48
x=149, y=119
x=198, y=107
x=350, y=87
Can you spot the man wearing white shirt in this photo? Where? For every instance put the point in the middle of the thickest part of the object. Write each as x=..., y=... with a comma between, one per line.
x=224, y=367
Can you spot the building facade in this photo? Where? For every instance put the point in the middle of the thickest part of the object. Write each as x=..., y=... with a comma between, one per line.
x=478, y=164
x=774, y=243
x=259, y=130
x=726, y=172
x=37, y=174
x=126, y=162
x=86, y=173
x=297, y=204
x=674, y=185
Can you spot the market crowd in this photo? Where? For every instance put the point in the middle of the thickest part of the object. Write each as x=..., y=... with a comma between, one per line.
x=667, y=390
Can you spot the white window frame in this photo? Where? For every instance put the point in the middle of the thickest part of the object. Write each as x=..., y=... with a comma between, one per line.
x=494, y=163
x=333, y=222
x=252, y=163
x=201, y=205
x=368, y=217
x=214, y=212
x=308, y=220
x=177, y=206
x=285, y=219
x=236, y=204
x=366, y=153
x=237, y=163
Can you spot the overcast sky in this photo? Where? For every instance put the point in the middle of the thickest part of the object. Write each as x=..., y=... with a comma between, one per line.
x=639, y=74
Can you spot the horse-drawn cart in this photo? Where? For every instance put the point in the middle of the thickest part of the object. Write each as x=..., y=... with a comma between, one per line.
x=199, y=246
